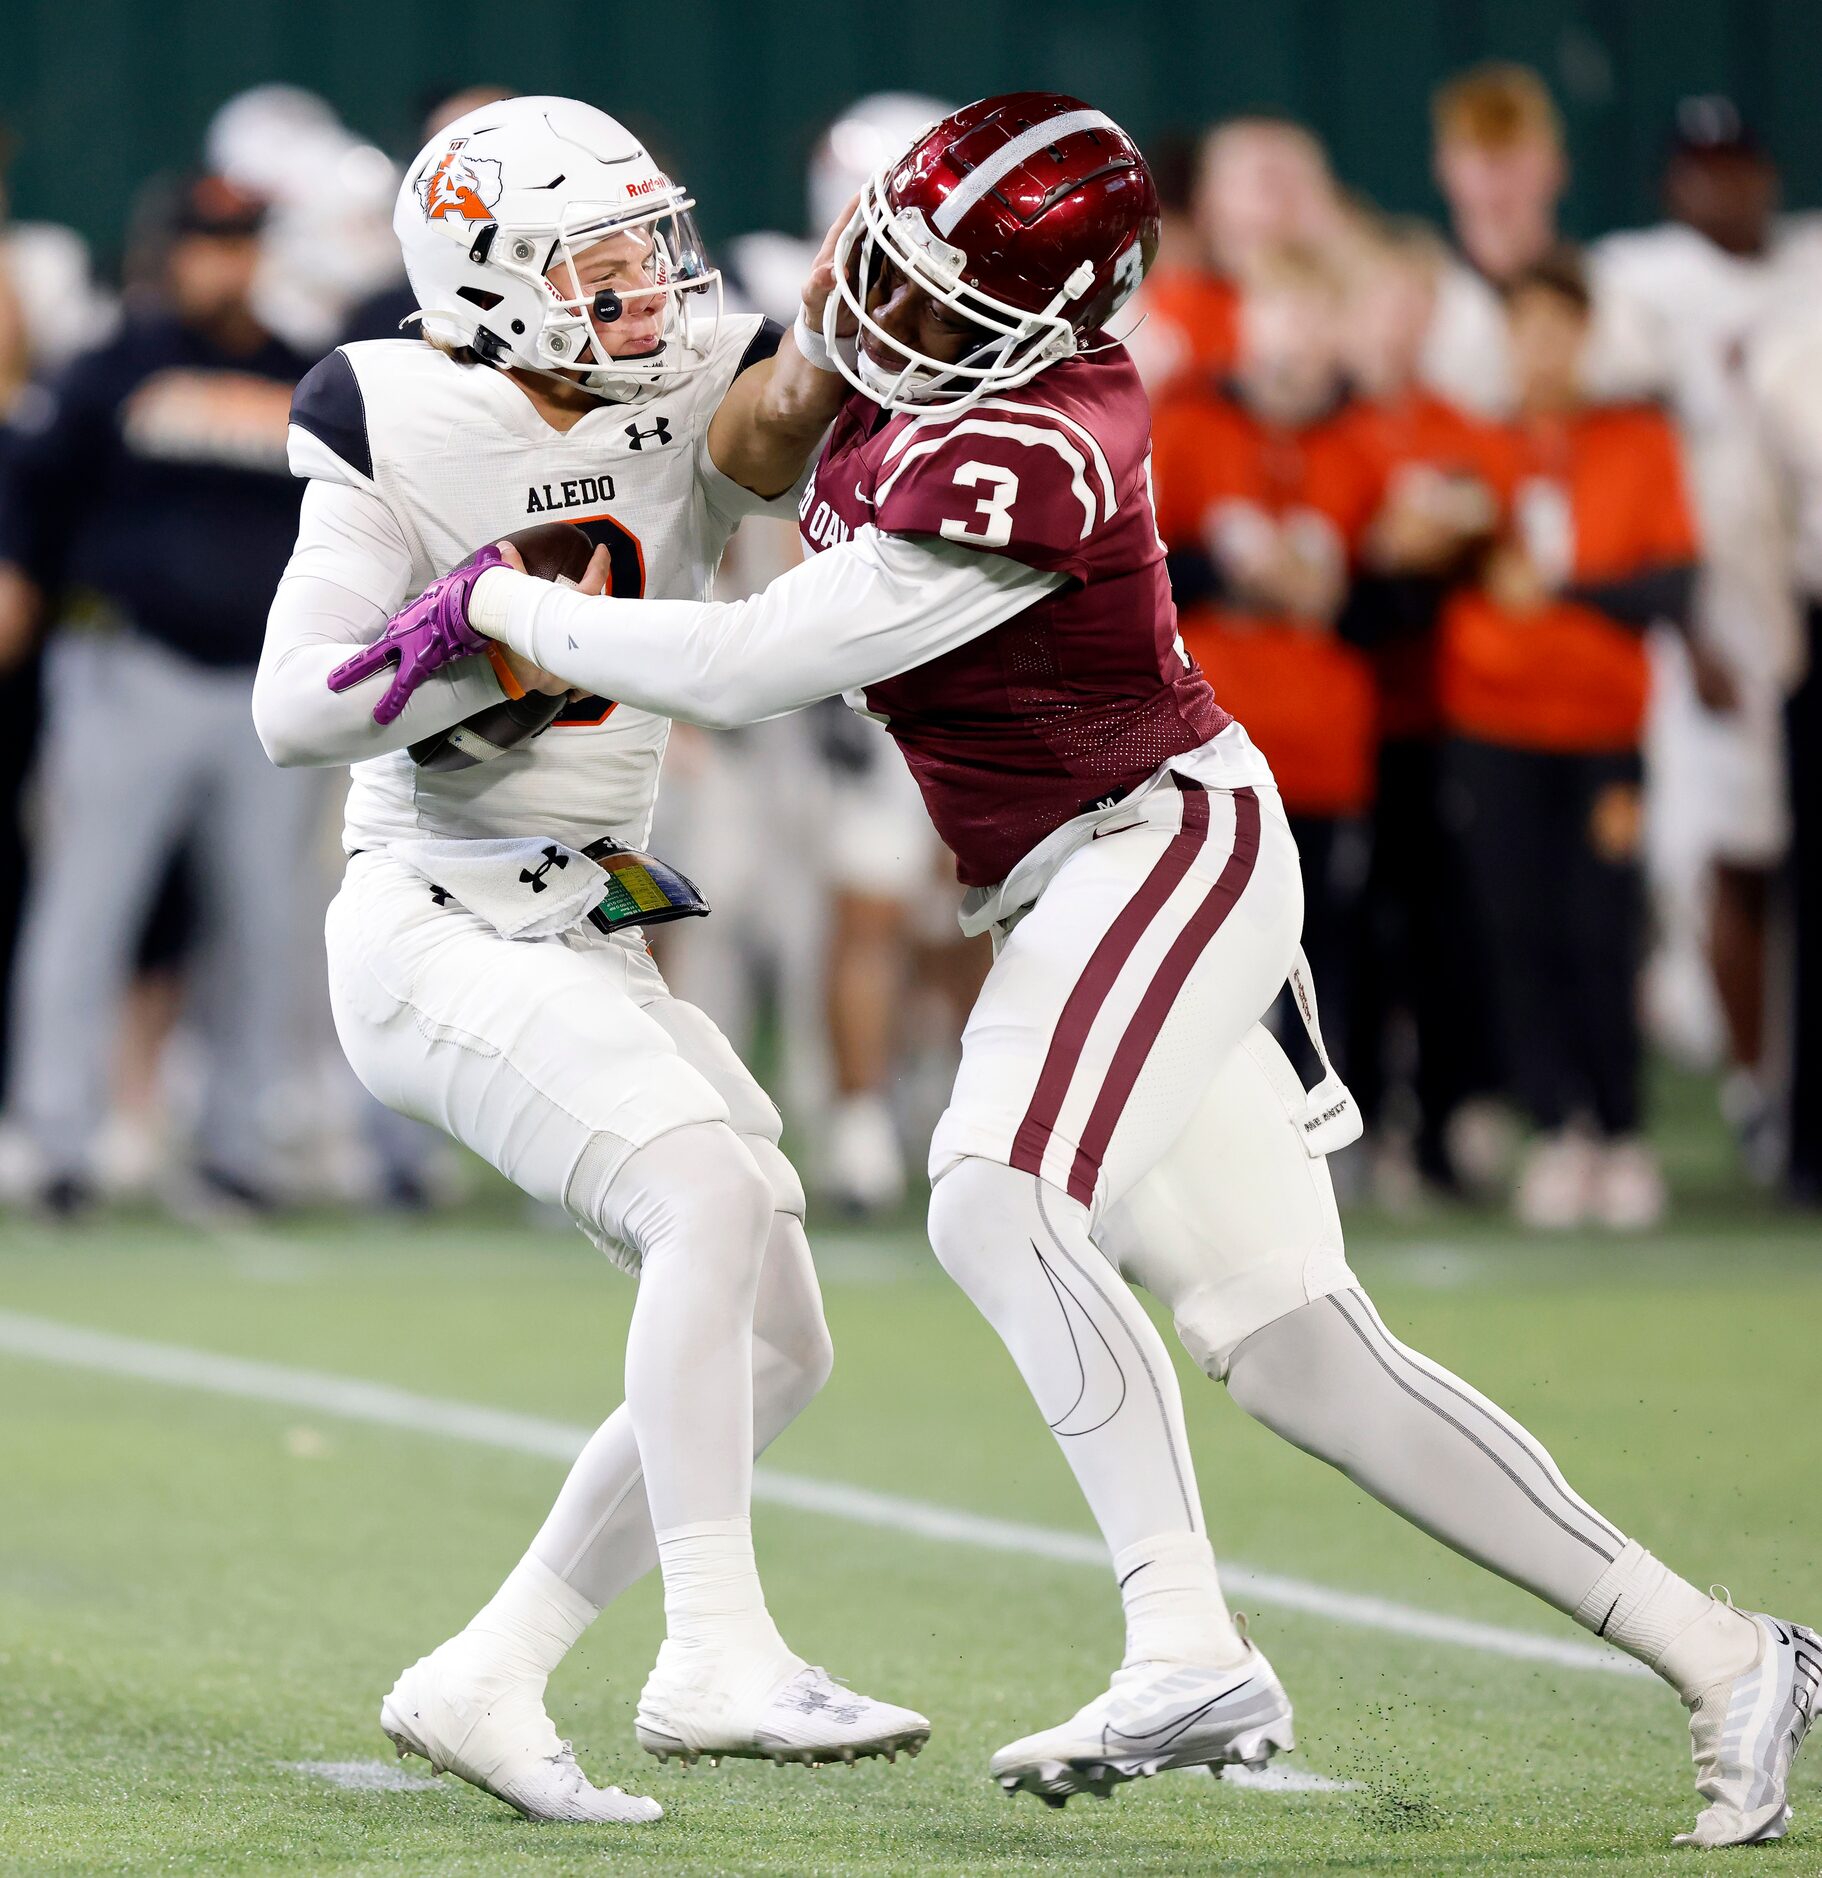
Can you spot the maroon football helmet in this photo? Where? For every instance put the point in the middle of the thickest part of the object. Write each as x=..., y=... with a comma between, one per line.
x=1030, y=215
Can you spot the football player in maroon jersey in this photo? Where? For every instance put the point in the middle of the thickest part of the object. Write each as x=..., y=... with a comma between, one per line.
x=986, y=577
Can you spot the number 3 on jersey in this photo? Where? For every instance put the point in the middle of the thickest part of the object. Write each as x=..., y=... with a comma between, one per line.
x=994, y=508
x=625, y=581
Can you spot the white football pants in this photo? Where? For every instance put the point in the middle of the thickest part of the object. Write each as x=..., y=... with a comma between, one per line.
x=567, y=1064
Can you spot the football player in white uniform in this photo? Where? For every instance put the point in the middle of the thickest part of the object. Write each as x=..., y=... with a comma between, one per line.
x=488, y=975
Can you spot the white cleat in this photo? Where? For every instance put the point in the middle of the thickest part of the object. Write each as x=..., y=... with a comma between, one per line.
x=495, y=1735
x=1745, y=1733
x=767, y=1707
x=1154, y=1716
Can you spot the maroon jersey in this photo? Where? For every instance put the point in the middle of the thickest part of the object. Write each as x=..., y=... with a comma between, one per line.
x=1087, y=691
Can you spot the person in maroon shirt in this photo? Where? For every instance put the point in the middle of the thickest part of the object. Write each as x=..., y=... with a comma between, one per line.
x=987, y=577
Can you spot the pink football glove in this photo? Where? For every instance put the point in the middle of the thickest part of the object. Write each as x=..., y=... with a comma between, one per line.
x=433, y=631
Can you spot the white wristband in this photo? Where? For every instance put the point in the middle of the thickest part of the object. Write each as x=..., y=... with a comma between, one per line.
x=811, y=343
x=490, y=602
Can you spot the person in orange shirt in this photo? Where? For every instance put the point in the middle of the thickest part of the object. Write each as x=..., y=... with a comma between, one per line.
x=1260, y=183
x=1544, y=683
x=1263, y=497
x=1437, y=511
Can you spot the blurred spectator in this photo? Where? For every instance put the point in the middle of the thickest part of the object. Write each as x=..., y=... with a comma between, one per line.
x=50, y=309
x=1174, y=158
x=1262, y=183
x=1419, y=981
x=1544, y=682
x=383, y=313
x=327, y=243
x=1689, y=299
x=1501, y=167
x=1787, y=381
x=147, y=510
x=1264, y=498
x=766, y=269
x=51, y=305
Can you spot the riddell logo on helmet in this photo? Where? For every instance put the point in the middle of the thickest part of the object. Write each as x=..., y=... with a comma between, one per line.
x=646, y=186
x=461, y=186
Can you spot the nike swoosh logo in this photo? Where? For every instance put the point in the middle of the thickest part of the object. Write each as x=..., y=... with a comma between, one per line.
x=1166, y=1732
x=1161, y=1736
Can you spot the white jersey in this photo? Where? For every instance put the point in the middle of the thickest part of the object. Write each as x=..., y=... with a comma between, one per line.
x=1692, y=316
x=445, y=457
x=1787, y=386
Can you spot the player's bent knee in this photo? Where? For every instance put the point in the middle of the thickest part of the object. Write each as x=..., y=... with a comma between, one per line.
x=1214, y=1322
x=1282, y=1372
x=978, y=1207
x=696, y=1187
x=961, y=1203
x=781, y=1176
x=1310, y=1379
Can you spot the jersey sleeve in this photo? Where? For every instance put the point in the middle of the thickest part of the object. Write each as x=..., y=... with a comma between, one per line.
x=1025, y=483
x=351, y=567
x=753, y=340
x=329, y=438
x=867, y=609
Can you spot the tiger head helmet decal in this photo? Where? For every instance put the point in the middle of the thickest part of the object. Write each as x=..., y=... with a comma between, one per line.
x=461, y=186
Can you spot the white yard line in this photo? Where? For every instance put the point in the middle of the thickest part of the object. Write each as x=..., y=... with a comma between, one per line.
x=1278, y=1778
x=351, y=1399
x=389, y=1777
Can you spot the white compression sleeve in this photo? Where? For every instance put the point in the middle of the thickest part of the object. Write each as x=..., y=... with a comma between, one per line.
x=348, y=572
x=873, y=607
x=1103, y=1381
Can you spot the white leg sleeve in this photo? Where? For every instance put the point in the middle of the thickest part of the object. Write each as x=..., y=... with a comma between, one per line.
x=695, y=1209
x=598, y=1535
x=1102, y=1380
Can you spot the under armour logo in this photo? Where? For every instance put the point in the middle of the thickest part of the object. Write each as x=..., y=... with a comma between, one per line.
x=440, y=895
x=661, y=430
x=534, y=876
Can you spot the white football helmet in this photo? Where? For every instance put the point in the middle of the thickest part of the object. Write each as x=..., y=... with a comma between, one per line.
x=503, y=194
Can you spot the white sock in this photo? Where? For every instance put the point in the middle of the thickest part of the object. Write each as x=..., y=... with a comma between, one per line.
x=1691, y=1639
x=712, y=1595
x=529, y=1625
x=1175, y=1612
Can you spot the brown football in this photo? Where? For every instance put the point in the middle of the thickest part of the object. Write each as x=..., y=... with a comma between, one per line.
x=552, y=551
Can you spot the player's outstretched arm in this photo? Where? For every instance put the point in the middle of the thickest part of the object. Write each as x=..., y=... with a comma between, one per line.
x=861, y=612
x=350, y=568
x=775, y=412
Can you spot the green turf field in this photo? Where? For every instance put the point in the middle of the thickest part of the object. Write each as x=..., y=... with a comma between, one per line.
x=203, y=1595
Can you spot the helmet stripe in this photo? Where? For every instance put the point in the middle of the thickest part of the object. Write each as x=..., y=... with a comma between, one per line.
x=1009, y=156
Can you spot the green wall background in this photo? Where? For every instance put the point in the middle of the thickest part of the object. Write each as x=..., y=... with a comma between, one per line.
x=102, y=92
